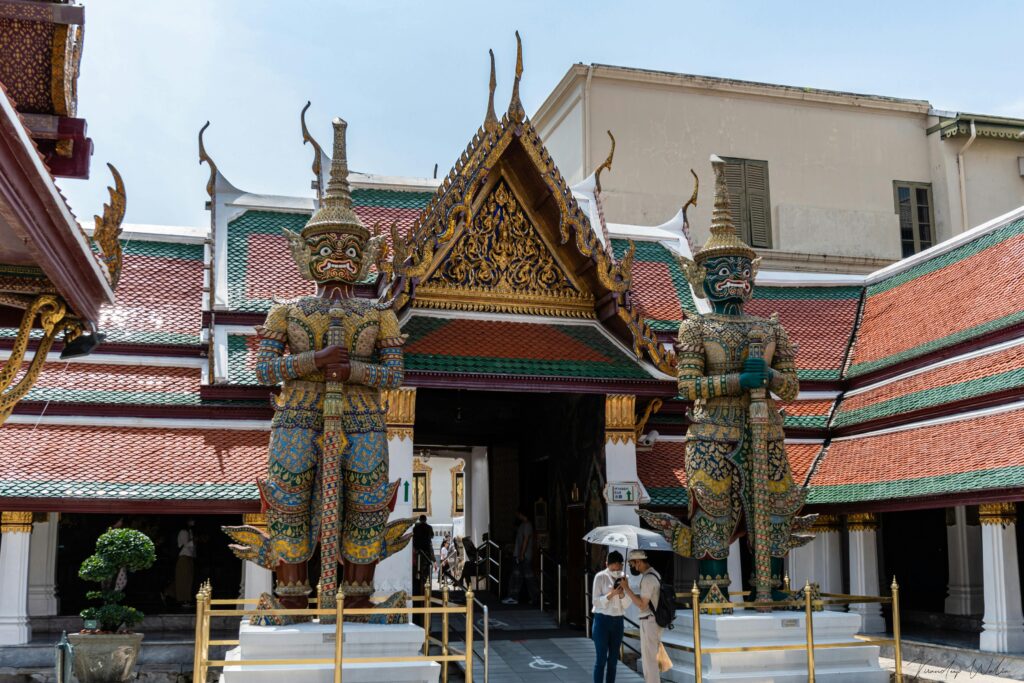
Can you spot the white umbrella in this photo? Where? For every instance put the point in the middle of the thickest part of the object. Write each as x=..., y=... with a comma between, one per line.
x=627, y=536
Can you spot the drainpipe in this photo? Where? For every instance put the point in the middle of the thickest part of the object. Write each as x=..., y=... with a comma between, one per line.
x=963, y=177
x=586, y=121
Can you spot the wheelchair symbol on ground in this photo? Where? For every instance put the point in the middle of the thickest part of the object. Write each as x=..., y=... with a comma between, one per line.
x=545, y=665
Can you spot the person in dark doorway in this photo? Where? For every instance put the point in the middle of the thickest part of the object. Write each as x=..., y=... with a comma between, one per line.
x=423, y=552
x=184, y=568
x=522, y=557
x=609, y=608
x=646, y=601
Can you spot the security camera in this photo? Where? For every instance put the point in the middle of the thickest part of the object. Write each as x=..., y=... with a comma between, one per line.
x=649, y=438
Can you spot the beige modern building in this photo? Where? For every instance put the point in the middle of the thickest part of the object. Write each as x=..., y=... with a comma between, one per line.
x=821, y=180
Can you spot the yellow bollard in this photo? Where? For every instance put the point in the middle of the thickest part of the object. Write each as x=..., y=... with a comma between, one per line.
x=808, y=610
x=339, y=633
x=205, y=652
x=897, y=648
x=698, y=664
x=469, y=636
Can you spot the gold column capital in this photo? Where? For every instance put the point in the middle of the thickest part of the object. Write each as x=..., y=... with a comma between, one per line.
x=990, y=514
x=620, y=418
x=16, y=523
x=827, y=524
x=401, y=411
x=862, y=521
x=256, y=519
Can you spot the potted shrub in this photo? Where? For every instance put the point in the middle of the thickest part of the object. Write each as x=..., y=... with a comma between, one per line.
x=106, y=650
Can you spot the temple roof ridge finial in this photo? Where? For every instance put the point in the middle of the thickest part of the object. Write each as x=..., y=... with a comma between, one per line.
x=515, y=105
x=318, y=153
x=491, y=119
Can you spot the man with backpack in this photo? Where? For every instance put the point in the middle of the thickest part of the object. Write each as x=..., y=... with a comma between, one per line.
x=647, y=601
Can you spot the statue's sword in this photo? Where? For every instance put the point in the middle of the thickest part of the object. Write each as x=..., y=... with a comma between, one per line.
x=759, y=466
x=333, y=446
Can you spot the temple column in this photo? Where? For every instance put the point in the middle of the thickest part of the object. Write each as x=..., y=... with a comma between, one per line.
x=620, y=452
x=16, y=528
x=42, y=563
x=479, y=503
x=820, y=561
x=255, y=579
x=863, y=530
x=395, y=572
x=1003, y=626
x=735, y=568
x=966, y=594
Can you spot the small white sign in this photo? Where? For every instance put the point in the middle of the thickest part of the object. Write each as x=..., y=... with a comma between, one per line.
x=622, y=493
x=544, y=665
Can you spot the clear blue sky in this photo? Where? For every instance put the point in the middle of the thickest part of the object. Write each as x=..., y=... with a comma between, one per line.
x=411, y=77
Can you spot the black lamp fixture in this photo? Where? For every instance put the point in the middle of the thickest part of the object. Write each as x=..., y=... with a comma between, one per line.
x=82, y=345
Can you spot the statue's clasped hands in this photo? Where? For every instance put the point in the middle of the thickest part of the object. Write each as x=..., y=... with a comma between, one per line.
x=754, y=374
x=333, y=360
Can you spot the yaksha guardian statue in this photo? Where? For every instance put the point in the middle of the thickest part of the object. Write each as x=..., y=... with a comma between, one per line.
x=327, y=472
x=729, y=364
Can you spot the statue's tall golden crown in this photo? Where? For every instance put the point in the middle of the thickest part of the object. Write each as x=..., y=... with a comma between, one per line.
x=724, y=240
x=335, y=213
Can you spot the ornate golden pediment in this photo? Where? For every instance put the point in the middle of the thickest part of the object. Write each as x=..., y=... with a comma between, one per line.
x=501, y=262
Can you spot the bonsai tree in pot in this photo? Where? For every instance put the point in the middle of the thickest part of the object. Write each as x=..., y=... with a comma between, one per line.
x=106, y=651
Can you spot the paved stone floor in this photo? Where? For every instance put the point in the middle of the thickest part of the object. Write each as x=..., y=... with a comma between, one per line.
x=565, y=660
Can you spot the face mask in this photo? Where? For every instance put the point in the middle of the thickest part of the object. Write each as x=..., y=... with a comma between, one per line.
x=634, y=571
x=615, y=573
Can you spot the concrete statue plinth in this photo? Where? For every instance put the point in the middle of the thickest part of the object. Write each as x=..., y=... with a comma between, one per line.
x=857, y=664
x=316, y=641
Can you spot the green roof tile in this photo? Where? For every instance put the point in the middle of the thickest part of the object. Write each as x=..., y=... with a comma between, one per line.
x=978, y=480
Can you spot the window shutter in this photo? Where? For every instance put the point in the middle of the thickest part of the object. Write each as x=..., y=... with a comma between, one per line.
x=737, y=194
x=758, y=205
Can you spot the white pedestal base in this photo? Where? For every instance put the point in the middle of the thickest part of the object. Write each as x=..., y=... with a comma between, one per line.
x=316, y=641
x=833, y=665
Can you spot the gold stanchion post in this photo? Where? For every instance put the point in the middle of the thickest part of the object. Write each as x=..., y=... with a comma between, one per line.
x=205, y=653
x=426, y=618
x=339, y=636
x=469, y=636
x=444, y=634
x=698, y=664
x=897, y=649
x=196, y=660
x=808, y=610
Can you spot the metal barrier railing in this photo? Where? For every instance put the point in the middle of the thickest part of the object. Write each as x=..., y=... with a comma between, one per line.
x=491, y=563
x=558, y=586
x=809, y=605
x=207, y=609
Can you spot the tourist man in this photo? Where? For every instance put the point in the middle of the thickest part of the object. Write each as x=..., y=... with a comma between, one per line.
x=609, y=607
x=522, y=555
x=646, y=601
x=423, y=551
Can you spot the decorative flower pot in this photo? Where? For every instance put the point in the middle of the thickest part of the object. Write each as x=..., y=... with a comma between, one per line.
x=105, y=657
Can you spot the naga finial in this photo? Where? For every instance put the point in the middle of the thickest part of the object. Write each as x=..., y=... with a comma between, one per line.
x=692, y=201
x=491, y=120
x=108, y=228
x=515, y=105
x=607, y=165
x=205, y=158
x=318, y=153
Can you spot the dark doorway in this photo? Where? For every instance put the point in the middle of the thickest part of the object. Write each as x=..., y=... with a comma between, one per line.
x=148, y=589
x=914, y=550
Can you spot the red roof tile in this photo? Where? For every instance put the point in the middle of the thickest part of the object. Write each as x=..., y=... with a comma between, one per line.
x=963, y=446
x=821, y=328
x=936, y=304
x=159, y=299
x=185, y=462
x=663, y=466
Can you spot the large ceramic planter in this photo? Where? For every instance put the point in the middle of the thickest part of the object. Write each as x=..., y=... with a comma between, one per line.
x=105, y=657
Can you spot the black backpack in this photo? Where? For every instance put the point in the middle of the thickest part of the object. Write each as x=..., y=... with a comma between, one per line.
x=665, y=611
